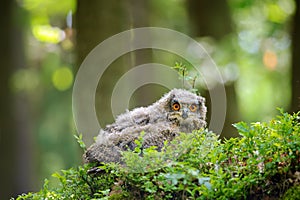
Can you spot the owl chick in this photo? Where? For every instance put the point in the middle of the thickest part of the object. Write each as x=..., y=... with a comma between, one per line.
x=177, y=111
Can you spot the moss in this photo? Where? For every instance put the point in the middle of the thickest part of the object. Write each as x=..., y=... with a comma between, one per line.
x=123, y=195
x=292, y=193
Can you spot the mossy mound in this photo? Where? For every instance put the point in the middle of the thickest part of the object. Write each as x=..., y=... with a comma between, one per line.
x=264, y=163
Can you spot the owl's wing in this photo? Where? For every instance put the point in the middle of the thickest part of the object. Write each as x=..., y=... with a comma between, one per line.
x=130, y=119
x=142, y=120
x=102, y=153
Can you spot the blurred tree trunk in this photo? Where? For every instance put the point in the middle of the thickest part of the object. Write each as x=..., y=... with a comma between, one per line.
x=139, y=12
x=212, y=18
x=7, y=130
x=295, y=106
x=209, y=18
x=97, y=20
x=15, y=168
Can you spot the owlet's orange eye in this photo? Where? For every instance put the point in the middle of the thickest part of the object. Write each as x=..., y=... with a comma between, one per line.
x=176, y=106
x=193, y=107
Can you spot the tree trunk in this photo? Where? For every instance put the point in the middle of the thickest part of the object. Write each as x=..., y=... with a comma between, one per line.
x=139, y=17
x=7, y=130
x=212, y=18
x=209, y=18
x=295, y=105
x=16, y=165
x=96, y=21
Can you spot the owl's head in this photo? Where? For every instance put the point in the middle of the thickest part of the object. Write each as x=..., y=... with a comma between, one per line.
x=187, y=109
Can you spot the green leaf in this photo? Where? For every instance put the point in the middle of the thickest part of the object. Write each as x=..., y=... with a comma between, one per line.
x=80, y=141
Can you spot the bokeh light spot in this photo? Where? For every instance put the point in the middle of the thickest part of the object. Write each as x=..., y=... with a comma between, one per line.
x=49, y=34
x=276, y=14
x=270, y=59
x=62, y=78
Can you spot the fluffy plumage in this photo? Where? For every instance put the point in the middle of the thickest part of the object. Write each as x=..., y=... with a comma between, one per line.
x=177, y=111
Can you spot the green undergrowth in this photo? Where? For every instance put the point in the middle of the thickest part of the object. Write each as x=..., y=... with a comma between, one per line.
x=264, y=163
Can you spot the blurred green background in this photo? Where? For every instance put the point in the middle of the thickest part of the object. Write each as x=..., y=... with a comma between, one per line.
x=43, y=42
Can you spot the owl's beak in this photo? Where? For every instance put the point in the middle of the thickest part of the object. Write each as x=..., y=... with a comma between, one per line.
x=184, y=114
